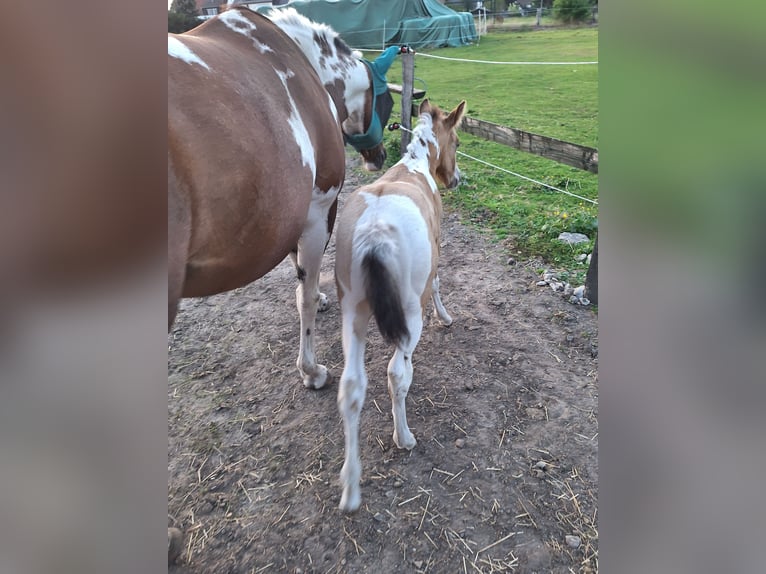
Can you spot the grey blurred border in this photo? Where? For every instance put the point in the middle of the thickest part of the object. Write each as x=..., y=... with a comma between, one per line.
x=83, y=342
x=681, y=314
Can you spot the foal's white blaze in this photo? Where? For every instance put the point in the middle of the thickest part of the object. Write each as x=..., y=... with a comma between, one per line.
x=416, y=157
x=241, y=25
x=299, y=129
x=177, y=49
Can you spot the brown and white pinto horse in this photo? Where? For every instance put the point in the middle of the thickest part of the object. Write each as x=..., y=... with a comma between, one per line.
x=257, y=112
x=386, y=266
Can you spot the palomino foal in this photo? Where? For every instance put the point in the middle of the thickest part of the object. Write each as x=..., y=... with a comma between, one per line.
x=386, y=266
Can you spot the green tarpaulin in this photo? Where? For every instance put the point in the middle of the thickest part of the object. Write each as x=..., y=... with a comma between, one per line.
x=373, y=24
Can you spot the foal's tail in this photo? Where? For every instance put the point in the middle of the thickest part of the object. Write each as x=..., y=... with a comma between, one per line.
x=383, y=294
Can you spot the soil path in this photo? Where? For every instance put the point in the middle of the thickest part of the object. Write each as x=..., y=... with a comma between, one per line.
x=504, y=406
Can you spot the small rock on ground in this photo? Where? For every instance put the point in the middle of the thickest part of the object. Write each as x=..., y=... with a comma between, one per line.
x=573, y=238
x=572, y=541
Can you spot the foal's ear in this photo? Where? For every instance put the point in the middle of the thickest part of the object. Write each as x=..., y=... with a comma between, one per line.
x=425, y=107
x=455, y=115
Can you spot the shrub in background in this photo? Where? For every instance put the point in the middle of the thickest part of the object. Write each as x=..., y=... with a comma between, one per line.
x=572, y=11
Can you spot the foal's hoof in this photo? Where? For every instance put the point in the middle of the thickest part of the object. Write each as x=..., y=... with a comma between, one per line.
x=323, y=304
x=350, y=500
x=319, y=379
x=175, y=544
x=406, y=441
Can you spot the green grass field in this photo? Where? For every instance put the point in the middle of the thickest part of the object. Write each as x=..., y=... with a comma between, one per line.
x=556, y=101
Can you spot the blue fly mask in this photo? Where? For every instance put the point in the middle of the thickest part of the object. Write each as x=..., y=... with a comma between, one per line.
x=374, y=134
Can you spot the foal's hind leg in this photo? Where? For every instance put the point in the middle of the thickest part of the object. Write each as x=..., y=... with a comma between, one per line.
x=308, y=261
x=351, y=394
x=400, y=378
x=439, y=309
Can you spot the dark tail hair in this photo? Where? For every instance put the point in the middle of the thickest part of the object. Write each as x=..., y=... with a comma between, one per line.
x=383, y=295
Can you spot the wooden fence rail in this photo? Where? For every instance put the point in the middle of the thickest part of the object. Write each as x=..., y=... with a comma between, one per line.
x=582, y=157
x=576, y=155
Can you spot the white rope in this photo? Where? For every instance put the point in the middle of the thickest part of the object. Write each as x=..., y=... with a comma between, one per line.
x=507, y=63
x=594, y=202
x=493, y=62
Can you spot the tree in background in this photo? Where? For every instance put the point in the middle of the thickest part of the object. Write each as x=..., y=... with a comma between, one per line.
x=570, y=11
x=182, y=16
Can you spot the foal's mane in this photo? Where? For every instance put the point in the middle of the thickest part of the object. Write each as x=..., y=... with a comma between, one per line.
x=423, y=134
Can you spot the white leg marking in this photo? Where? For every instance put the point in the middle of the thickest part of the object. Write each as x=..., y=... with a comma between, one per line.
x=439, y=309
x=351, y=394
x=310, y=250
x=400, y=378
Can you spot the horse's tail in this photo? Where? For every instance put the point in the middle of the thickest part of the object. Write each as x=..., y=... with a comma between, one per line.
x=383, y=293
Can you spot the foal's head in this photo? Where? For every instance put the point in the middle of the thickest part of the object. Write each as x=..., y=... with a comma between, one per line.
x=443, y=163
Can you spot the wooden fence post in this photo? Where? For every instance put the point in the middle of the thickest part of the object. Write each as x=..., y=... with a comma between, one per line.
x=408, y=83
x=591, y=278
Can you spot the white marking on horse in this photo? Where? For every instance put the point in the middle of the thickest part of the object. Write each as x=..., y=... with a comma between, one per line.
x=401, y=220
x=329, y=64
x=333, y=107
x=416, y=156
x=241, y=25
x=300, y=133
x=332, y=66
x=177, y=49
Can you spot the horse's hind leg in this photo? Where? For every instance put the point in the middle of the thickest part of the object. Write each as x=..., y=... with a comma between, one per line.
x=323, y=303
x=308, y=261
x=400, y=378
x=441, y=312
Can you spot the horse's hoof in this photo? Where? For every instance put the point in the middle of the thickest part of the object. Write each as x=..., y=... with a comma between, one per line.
x=444, y=319
x=175, y=544
x=319, y=380
x=323, y=303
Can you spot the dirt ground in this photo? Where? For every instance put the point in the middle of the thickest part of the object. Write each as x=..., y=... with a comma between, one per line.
x=504, y=405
